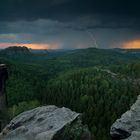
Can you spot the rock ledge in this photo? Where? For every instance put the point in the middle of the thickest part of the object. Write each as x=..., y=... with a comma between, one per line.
x=128, y=126
x=46, y=123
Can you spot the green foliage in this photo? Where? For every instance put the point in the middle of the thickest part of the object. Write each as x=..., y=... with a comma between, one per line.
x=99, y=96
x=21, y=107
x=74, y=131
x=80, y=79
x=132, y=69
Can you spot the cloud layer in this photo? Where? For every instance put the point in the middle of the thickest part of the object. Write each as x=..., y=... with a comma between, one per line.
x=67, y=22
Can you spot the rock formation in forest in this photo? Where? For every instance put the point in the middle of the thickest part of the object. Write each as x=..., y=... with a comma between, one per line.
x=3, y=97
x=16, y=50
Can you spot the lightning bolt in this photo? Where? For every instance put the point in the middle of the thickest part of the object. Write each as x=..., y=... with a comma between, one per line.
x=92, y=38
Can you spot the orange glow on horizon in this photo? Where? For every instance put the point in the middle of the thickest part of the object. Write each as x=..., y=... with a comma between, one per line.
x=133, y=44
x=31, y=45
x=35, y=46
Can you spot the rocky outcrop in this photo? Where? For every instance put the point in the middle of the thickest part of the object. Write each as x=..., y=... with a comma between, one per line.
x=46, y=123
x=3, y=97
x=3, y=78
x=128, y=126
x=16, y=50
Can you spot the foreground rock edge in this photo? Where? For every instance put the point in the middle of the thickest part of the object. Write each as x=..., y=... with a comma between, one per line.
x=46, y=123
x=128, y=126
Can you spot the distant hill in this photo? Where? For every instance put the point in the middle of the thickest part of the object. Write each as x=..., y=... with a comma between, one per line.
x=45, y=51
x=133, y=51
x=93, y=56
x=16, y=50
x=39, y=51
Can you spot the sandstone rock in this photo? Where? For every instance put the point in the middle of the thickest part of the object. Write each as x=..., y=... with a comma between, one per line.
x=3, y=96
x=3, y=78
x=16, y=50
x=128, y=126
x=46, y=123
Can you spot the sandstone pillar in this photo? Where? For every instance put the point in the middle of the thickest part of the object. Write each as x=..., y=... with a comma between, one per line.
x=3, y=97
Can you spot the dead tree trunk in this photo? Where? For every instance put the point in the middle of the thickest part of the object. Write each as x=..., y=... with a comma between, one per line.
x=3, y=97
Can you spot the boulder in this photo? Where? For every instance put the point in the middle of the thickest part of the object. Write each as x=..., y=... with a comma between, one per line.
x=128, y=126
x=46, y=123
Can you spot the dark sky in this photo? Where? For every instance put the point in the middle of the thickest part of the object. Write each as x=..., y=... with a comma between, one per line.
x=69, y=23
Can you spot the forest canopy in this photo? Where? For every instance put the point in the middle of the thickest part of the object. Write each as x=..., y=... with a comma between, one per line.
x=101, y=84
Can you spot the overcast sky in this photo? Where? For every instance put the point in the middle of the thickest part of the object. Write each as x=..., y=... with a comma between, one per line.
x=70, y=23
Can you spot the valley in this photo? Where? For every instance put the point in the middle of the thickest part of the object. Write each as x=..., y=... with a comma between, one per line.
x=100, y=84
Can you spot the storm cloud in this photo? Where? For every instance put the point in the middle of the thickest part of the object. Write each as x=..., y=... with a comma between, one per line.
x=66, y=22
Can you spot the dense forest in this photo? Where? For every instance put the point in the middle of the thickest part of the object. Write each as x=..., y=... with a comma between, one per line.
x=101, y=84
